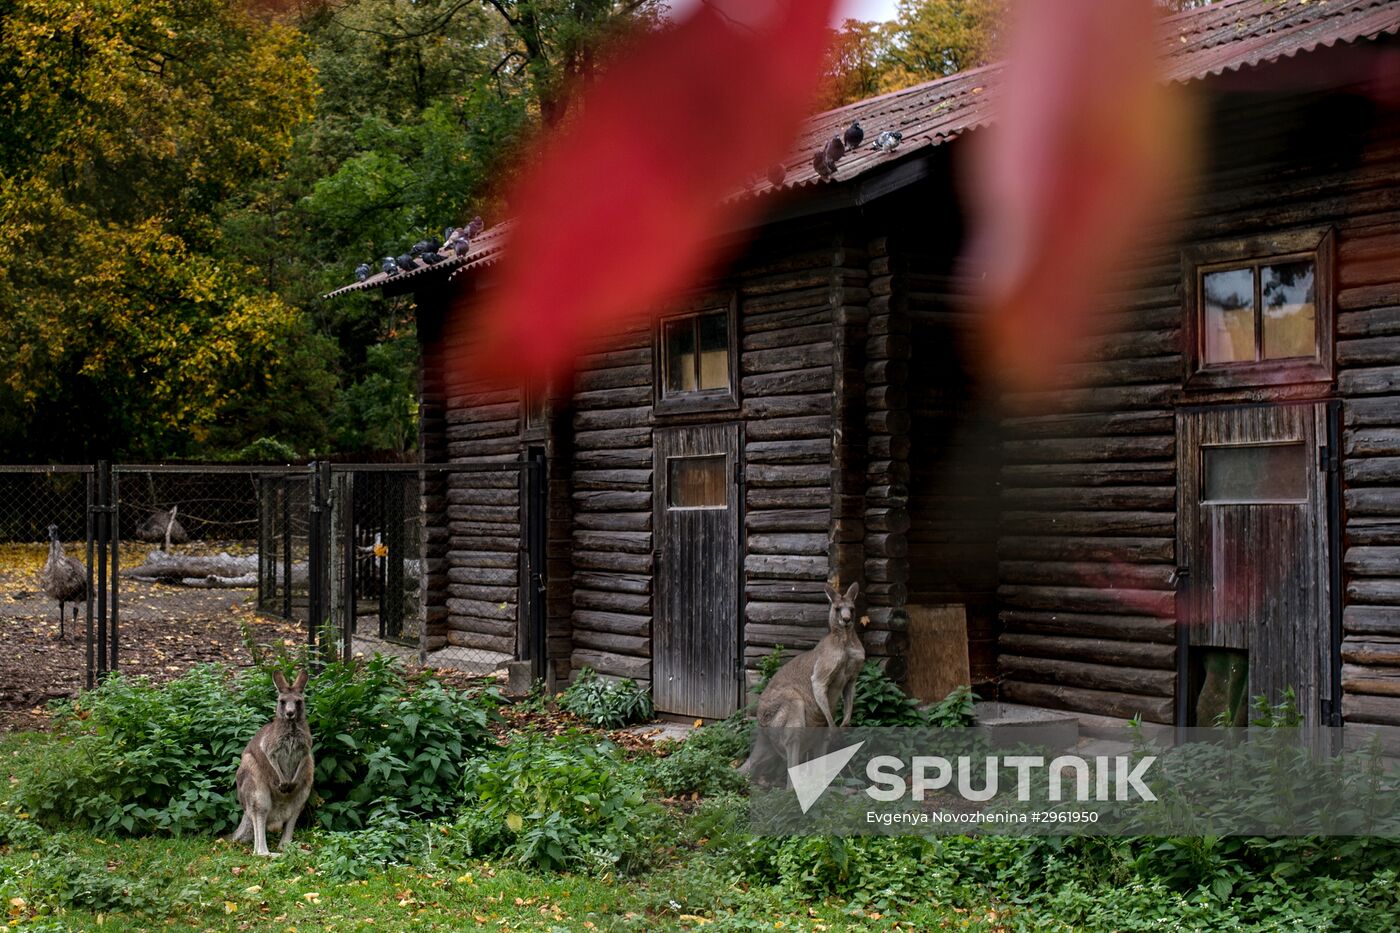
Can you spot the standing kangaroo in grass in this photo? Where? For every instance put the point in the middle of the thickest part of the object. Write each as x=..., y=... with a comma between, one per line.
x=804, y=691
x=274, y=777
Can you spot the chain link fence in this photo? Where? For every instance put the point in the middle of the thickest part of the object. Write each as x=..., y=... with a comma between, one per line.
x=189, y=563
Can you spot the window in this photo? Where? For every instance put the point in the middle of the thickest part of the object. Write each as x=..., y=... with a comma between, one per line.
x=696, y=362
x=534, y=407
x=1255, y=473
x=697, y=482
x=1259, y=311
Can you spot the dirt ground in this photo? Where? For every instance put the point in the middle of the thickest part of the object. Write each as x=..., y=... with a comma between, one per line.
x=164, y=631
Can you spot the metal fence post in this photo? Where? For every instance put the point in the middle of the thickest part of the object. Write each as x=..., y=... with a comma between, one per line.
x=90, y=531
x=318, y=566
x=101, y=519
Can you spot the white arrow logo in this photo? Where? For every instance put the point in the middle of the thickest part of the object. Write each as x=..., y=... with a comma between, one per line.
x=811, y=778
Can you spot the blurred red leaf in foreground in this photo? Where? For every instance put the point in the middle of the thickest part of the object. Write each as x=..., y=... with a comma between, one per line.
x=1079, y=170
x=616, y=213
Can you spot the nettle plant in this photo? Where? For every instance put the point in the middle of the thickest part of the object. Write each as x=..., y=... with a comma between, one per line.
x=608, y=704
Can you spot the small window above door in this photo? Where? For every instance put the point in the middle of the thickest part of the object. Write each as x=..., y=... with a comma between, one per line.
x=697, y=362
x=1259, y=311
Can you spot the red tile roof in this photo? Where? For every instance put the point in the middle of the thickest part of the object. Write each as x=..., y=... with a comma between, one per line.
x=1193, y=45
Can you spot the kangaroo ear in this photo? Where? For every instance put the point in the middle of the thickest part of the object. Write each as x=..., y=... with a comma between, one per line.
x=852, y=592
x=280, y=681
x=831, y=594
x=299, y=683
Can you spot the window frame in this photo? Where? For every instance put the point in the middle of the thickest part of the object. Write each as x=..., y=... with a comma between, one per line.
x=531, y=391
x=1316, y=245
x=700, y=400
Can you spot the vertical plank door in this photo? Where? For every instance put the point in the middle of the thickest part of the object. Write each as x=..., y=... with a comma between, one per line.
x=1253, y=532
x=695, y=638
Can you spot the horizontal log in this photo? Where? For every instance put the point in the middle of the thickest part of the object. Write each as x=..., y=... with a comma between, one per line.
x=1090, y=599
x=1135, y=628
x=1084, y=474
x=771, y=565
x=613, y=562
x=597, y=500
x=1106, y=550
x=1368, y=351
x=480, y=497
x=787, y=406
x=1100, y=449
x=1065, y=573
x=611, y=664
x=1382, y=592
x=794, y=498
x=1372, y=652
x=615, y=622
x=816, y=450
x=603, y=601
x=1379, y=380
x=810, y=543
x=613, y=582
x=786, y=591
x=1136, y=498
x=784, y=429
x=460, y=557
x=1096, y=702
x=604, y=419
x=498, y=516
x=786, y=359
x=787, y=613
x=626, y=397
x=483, y=609
x=1381, y=710
x=886, y=520
x=629, y=542
x=490, y=594
x=1372, y=442
x=776, y=520
x=794, y=637
x=1156, y=683
x=886, y=545
x=1371, y=620
x=1375, y=561
x=611, y=642
x=1375, y=322
x=1060, y=425
x=1130, y=524
x=459, y=641
x=1095, y=650
x=783, y=475
x=613, y=521
x=617, y=377
x=1372, y=471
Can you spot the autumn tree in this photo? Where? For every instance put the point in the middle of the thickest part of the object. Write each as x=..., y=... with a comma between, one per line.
x=123, y=326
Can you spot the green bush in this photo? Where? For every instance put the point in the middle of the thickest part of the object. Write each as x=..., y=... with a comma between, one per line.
x=608, y=704
x=879, y=701
x=704, y=762
x=138, y=758
x=567, y=803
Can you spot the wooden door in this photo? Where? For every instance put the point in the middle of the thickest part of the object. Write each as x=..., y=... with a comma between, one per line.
x=1253, y=535
x=695, y=634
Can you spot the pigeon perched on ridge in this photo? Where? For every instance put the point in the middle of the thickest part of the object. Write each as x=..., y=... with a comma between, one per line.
x=431, y=257
x=776, y=173
x=406, y=261
x=853, y=135
x=389, y=266
x=448, y=233
x=419, y=248
x=475, y=227
x=460, y=244
x=820, y=164
x=834, y=150
x=888, y=141
x=362, y=272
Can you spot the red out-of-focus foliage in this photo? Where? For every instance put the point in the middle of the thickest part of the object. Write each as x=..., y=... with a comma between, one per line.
x=618, y=210
x=1083, y=162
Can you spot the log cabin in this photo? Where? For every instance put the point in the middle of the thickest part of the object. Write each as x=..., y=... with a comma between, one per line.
x=1205, y=508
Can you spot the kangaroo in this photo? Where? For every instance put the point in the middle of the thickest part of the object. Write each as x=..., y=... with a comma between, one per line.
x=805, y=690
x=274, y=776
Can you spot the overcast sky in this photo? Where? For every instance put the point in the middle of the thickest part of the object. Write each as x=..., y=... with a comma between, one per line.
x=877, y=10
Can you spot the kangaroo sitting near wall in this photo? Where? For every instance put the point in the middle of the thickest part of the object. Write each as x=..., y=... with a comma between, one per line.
x=274, y=777
x=805, y=690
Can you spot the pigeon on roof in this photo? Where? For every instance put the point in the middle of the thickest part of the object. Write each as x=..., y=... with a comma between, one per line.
x=888, y=141
x=460, y=244
x=419, y=248
x=834, y=150
x=389, y=266
x=448, y=233
x=853, y=135
x=475, y=227
x=776, y=173
x=362, y=272
x=820, y=164
x=432, y=257
x=406, y=261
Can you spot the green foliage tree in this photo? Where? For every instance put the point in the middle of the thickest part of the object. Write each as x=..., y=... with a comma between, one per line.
x=124, y=328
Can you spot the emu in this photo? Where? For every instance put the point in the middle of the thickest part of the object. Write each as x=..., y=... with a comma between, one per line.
x=64, y=579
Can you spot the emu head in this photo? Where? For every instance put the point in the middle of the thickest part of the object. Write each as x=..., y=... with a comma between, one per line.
x=291, y=704
x=843, y=608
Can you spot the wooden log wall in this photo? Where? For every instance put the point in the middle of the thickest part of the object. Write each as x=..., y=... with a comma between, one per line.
x=479, y=540
x=611, y=507
x=952, y=449
x=432, y=448
x=1087, y=588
